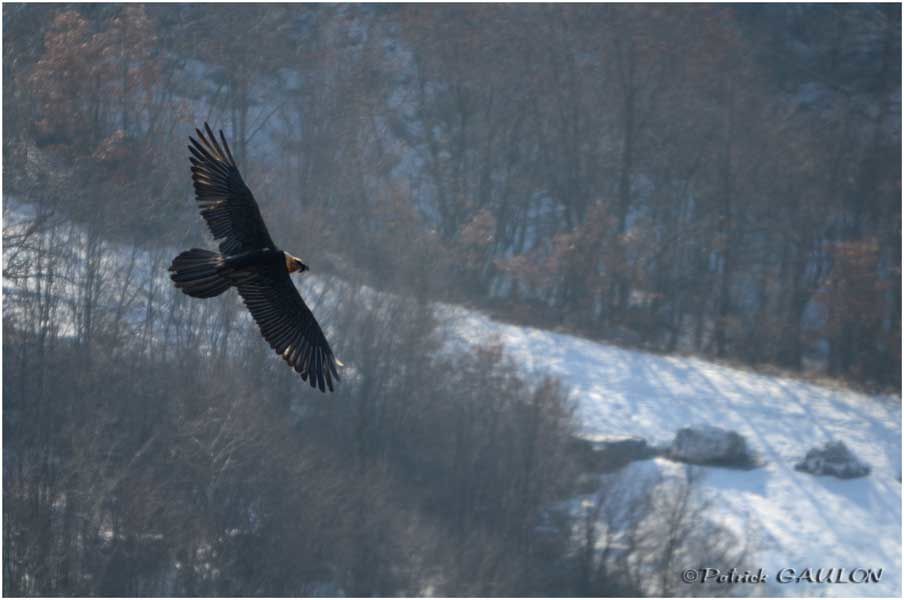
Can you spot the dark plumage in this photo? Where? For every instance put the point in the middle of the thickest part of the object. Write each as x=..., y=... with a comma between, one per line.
x=249, y=261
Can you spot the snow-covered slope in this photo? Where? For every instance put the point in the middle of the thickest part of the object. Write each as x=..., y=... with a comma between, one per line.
x=800, y=520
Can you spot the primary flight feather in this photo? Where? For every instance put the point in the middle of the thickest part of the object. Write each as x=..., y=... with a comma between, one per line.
x=249, y=261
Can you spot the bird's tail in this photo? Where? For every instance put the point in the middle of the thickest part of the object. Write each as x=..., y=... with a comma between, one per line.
x=198, y=273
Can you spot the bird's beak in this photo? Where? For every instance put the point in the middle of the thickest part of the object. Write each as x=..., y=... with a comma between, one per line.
x=295, y=265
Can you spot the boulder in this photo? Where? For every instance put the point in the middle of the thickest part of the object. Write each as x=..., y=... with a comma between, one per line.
x=834, y=458
x=615, y=452
x=708, y=445
x=610, y=453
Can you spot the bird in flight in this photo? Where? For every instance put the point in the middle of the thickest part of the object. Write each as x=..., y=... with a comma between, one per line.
x=249, y=261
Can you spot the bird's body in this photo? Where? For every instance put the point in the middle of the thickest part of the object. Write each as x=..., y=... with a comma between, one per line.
x=256, y=259
x=249, y=261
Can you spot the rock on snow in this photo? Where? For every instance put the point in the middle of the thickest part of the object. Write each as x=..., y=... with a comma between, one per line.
x=833, y=458
x=709, y=445
x=791, y=518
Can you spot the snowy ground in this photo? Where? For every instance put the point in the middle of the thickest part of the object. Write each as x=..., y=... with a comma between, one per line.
x=800, y=520
x=797, y=520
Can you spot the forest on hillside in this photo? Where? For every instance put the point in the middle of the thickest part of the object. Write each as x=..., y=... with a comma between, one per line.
x=721, y=180
x=713, y=179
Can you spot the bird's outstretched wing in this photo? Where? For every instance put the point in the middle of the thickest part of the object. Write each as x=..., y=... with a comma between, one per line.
x=225, y=201
x=288, y=325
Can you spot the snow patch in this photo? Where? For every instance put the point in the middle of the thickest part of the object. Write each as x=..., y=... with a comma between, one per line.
x=801, y=521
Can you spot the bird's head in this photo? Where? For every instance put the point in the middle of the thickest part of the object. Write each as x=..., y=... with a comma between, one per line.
x=294, y=264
